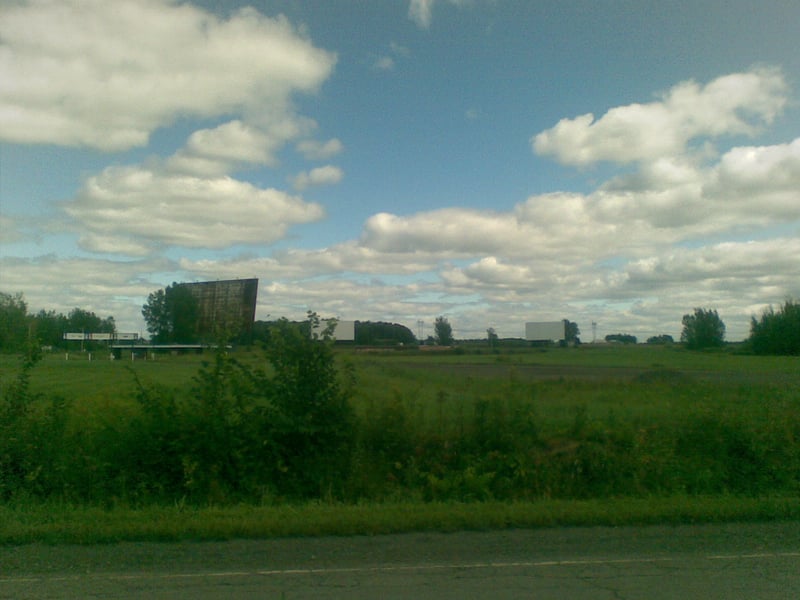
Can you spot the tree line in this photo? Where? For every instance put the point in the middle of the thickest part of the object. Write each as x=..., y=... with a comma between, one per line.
x=285, y=429
x=18, y=326
x=171, y=317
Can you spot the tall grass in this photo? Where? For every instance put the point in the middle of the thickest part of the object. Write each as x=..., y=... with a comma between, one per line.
x=423, y=430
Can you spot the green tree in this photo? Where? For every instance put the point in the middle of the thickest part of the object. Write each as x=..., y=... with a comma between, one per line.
x=13, y=322
x=703, y=329
x=156, y=317
x=311, y=422
x=443, y=332
x=378, y=333
x=777, y=332
x=79, y=319
x=171, y=315
x=49, y=327
x=184, y=311
x=621, y=338
x=571, y=333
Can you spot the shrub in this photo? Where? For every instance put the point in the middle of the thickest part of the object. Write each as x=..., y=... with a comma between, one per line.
x=309, y=425
x=777, y=332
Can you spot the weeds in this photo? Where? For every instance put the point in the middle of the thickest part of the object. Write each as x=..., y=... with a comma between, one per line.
x=291, y=430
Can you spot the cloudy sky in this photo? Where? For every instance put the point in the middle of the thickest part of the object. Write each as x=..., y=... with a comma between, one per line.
x=493, y=161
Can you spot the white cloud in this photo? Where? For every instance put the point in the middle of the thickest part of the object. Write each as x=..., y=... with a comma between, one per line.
x=632, y=254
x=145, y=207
x=316, y=150
x=327, y=175
x=490, y=271
x=421, y=11
x=452, y=231
x=115, y=244
x=762, y=181
x=105, y=287
x=222, y=149
x=387, y=62
x=384, y=63
x=733, y=104
x=730, y=267
x=107, y=74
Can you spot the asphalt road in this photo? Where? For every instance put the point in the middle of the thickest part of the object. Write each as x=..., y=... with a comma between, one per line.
x=732, y=561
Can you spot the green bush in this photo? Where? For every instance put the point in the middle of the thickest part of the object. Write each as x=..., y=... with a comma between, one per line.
x=777, y=332
x=284, y=429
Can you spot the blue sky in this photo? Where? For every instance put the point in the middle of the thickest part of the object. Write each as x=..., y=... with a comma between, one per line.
x=492, y=161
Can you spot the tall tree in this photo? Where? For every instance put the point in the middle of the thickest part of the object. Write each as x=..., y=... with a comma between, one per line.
x=184, y=310
x=703, y=329
x=86, y=321
x=171, y=315
x=777, y=332
x=48, y=327
x=13, y=322
x=156, y=316
x=443, y=332
x=571, y=333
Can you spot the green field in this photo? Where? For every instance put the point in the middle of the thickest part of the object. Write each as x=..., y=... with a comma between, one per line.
x=521, y=437
x=87, y=379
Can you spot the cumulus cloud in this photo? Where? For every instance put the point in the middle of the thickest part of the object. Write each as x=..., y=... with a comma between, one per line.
x=106, y=287
x=734, y=104
x=764, y=176
x=316, y=150
x=224, y=148
x=107, y=74
x=453, y=231
x=327, y=175
x=160, y=209
x=763, y=262
x=632, y=253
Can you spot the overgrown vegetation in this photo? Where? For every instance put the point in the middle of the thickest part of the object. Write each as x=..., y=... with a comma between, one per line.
x=777, y=332
x=299, y=423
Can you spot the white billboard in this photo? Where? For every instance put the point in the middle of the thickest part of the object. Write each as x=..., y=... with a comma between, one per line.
x=99, y=336
x=543, y=331
x=345, y=331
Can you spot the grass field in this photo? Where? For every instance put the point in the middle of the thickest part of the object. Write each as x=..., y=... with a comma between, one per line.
x=80, y=377
x=596, y=434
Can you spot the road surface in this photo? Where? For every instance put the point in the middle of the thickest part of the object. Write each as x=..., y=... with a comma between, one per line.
x=731, y=561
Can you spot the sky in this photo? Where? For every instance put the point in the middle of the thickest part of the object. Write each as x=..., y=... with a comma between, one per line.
x=491, y=161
